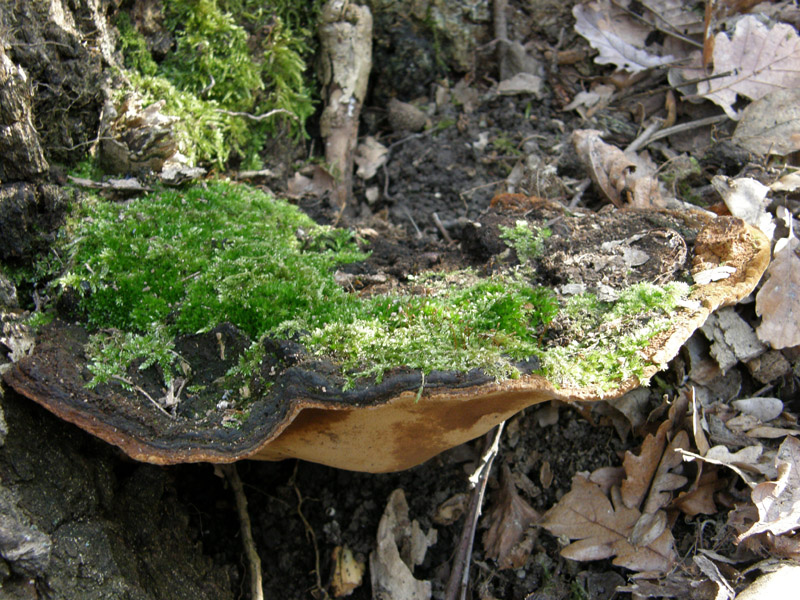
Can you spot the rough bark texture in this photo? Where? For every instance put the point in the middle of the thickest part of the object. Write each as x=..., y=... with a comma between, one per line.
x=20, y=148
x=52, y=89
x=30, y=213
x=29, y=208
x=76, y=522
x=62, y=47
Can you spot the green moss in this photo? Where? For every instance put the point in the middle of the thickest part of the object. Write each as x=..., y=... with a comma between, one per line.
x=211, y=54
x=112, y=352
x=205, y=135
x=683, y=175
x=40, y=319
x=526, y=240
x=487, y=325
x=506, y=146
x=609, y=336
x=234, y=56
x=177, y=262
x=133, y=47
x=210, y=255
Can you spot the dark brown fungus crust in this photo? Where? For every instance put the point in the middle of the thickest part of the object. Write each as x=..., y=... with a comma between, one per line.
x=306, y=414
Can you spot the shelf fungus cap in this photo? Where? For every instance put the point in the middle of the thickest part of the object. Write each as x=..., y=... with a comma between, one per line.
x=396, y=424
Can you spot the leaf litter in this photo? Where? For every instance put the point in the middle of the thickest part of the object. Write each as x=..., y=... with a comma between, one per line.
x=778, y=302
x=693, y=461
x=753, y=62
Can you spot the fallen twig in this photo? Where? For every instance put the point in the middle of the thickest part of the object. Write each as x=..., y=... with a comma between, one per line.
x=144, y=393
x=645, y=137
x=409, y=137
x=687, y=126
x=261, y=117
x=459, y=574
x=413, y=222
x=579, y=190
x=440, y=226
x=386, y=183
x=254, y=561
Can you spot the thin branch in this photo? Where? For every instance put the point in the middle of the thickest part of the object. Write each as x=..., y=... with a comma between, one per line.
x=459, y=575
x=440, y=226
x=253, y=117
x=579, y=190
x=478, y=187
x=645, y=137
x=408, y=138
x=254, y=561
x=686, y=127
x=413, y=222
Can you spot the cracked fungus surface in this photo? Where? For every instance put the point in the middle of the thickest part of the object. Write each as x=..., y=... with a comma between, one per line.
x=145, y=272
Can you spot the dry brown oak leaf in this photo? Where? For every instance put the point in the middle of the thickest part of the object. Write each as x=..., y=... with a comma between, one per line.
x=755, y=61
x=603, y=529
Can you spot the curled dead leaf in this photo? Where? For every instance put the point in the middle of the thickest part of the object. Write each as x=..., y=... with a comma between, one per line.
x=370, y=156
x=401, y=546
x=753, y=62
x=619, y=39
x=625, y=180
x=778, y=502
x=508, y=540
x=347, y=572
x=778, y=301
x=747, y=199
x=699, y=499
x=451, y=510
x=648, y=528
x=641, y=468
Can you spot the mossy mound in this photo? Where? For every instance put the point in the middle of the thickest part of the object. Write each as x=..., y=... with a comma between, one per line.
x=218, y=323
x=183, y=262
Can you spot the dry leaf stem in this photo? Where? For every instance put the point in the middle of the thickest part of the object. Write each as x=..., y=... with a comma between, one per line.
x=687, y=126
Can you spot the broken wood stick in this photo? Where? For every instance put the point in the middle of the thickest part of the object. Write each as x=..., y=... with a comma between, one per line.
x=346, y=46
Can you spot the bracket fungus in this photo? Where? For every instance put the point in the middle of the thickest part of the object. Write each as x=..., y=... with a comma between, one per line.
x=306, y=397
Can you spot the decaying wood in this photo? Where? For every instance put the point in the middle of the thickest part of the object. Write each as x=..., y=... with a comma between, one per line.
x=346, y=45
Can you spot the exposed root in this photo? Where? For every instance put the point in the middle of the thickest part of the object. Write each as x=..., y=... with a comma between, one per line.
x=319, y=590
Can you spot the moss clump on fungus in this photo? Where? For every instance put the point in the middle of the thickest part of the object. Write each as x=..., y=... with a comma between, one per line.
x=641, y=312
x=176, y=262
x=487, y=325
